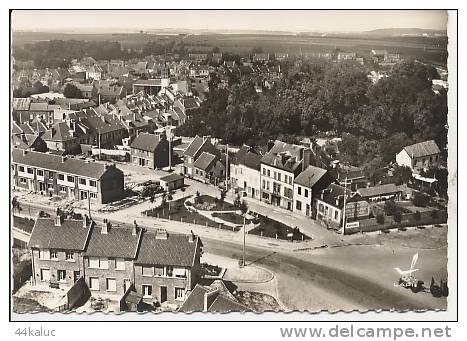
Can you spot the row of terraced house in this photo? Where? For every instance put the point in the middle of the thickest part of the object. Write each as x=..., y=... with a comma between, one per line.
x=154, y=266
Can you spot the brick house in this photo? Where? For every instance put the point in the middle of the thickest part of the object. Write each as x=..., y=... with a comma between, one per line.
x=194, y=150
x=149, y=150
x=209, y=168
x=57, y=247
x=115, y=261
x=50, y=174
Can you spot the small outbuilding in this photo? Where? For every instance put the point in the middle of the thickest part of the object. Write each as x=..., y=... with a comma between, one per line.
x=172, y=181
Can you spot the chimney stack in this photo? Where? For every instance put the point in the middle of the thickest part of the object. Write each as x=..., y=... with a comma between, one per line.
x=85, y=221
x=161, y=234
x=134, y=230
x=58, y=218
x=209, y=298
x=105, y=227
x=191, y=237
x=306, y=158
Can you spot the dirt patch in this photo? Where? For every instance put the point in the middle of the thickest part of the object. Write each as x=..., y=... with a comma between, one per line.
x=23, y=305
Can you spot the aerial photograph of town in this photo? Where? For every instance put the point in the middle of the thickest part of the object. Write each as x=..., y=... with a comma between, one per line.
x=178, y=162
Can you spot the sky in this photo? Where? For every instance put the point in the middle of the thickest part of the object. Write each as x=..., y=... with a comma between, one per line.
x=303, y=20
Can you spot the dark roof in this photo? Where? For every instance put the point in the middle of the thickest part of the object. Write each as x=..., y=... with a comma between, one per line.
x=422, y=149
x=194, y=146
x=221, y=301
x=248, y=158
x=71, y=235
x=58, y=132
x=332, y=193
x=285, y=162
x=117, y=243
x=205, y=161
x=310, y=176
x=378, y=190
x=146, y=141
x=175, y=250
x=103, y=124
x=171, y=177
x=25, y=141
x=68, y=165
x=148, y=82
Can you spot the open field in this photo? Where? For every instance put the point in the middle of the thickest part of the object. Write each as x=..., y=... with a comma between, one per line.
x=428, y=49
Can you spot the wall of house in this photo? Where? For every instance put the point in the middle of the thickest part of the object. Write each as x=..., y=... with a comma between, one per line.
x=111, y=273
x=247, y=179
x=285, y=179
x=137, y=154
x=157, y=282
x=303, y=195
x=111, y=186
x=54, y=265
x=403, y=159
x=326, y=211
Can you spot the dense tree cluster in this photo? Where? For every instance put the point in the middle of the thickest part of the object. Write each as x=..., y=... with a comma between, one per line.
x=374, y=121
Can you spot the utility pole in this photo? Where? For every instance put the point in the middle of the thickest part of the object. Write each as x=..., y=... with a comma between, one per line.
x=89, y=203
x=343, y=210
x=243, y=261
x=227, y=169
x=99, y=135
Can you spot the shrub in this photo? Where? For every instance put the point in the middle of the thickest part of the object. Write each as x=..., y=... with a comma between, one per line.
x=397, y=216
x=417, y=216
x=420, y=199
x=380, y=218
x=390, y=207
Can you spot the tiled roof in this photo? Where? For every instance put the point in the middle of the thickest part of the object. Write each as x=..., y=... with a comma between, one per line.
x=171, y=177
x=378, y=190
x=21, y=103
x=103, y=124
x=205, y=161
x=71, y=235
x=310, y=176
x=26, y=141
x=39, y=106
x=148, y=82
x=93, y=170
x=425, y=148
x=220, y=301
x=248, y=158
x=287, y=162
x=175, y=250
x=332, y=193
x=58, y=132
x=146, y=141
x=194, y=146
x=117, y=243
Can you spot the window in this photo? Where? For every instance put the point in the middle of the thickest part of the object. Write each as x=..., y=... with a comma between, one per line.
x=22, y=180
x=264, y=171
x=180, y=272
x=269, y=173
x=92, y=183
x=111, y=284
x=93, y=283
x=44, y=254
x=70, y=178
x=147, y=290
x=179, y=293
x=119, y=264
x=70, y=256
x=336, y=214
x=30, y=170
x=306, y=193
x=82, y=181
x=299, y=190
x=93, y=195
x=264, y=184
x=40, y=172
x=298, y=205
x=275, y=175
x=279, y=176
x=21, y=168
x=147, y=270
x=98, y=263
x=169, y=270
x=62, y=189
x=160, y=270
x=104, y=263
x=45, y=275
x=61, y=275
x=53, y=255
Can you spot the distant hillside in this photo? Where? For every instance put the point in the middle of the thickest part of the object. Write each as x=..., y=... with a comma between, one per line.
x=404, y=31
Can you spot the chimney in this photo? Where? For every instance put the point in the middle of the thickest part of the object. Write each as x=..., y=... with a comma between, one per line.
x=105, y=227
x=85, y=221
x=209, y=298
x=63, y=159
x=58, y=218
x=191, y=237
x=25, y=152
x=306, y=158
x=322, y=194
x=161, y=234
x=134, y=230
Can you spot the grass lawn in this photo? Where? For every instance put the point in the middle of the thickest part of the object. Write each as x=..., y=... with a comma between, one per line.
x=209, y=203
x=27, y=305
x=270, y=228
x=178, y=212
x=233, y=218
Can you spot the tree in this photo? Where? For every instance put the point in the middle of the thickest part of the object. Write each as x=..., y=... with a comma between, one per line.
x=402, y=174
x=417, y=215
x=397, y=216
x=420, y=199
x=71, y=91
x=222, y=197
x=380, y=218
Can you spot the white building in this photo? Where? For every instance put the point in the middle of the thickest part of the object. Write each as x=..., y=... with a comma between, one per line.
x=419, y=156
x=245, y=172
